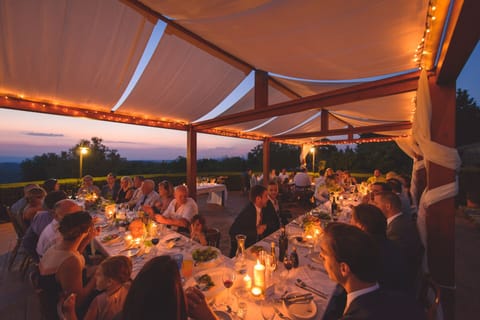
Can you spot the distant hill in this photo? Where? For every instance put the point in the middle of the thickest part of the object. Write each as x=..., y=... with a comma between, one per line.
x=10, y=172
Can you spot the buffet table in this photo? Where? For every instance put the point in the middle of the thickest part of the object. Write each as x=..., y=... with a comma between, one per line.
x=217, y=193
x=310, y=271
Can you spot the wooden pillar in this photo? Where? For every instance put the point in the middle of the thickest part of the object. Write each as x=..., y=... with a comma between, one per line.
x=266, y=161
x=440, y=218
x=261, y=89
x=192, y=162
x=324, y=120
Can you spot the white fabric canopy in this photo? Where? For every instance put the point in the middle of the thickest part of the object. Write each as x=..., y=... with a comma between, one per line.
x=67, y=52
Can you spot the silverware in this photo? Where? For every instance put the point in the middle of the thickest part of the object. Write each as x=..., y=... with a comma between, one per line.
x=280, y=314
x=301, y=284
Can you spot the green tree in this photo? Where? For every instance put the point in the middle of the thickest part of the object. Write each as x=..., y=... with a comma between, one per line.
x=468, y=119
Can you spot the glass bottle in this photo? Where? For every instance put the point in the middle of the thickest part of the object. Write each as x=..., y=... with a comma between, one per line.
x=282, y=244
x=294, y=257
x=240, y=264
x=334, y=208
x=273, y=259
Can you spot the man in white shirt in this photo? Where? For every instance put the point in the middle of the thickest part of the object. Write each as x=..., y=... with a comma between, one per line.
x=351, y=258
x=150, y=196
x=302, y=179
x=137, y=194
x=180, y=211
x=50, y=235
x=283, y=175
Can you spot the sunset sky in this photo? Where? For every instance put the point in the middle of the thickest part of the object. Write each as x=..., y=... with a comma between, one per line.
x=25, y=134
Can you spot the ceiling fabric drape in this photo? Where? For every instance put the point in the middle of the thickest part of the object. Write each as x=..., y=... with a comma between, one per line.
x=76, y=52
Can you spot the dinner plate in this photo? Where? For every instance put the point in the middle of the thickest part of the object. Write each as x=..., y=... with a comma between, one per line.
x=301, y=311
x=111, y=238
x=222, y=315
x=216, y=276
x=210, y=263
x=295, y=240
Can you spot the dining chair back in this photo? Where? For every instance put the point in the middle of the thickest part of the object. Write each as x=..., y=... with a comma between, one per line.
x=20, y=232
x=429, y=297
x=213, y=237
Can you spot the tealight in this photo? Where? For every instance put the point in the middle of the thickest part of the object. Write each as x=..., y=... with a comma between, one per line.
x=256, y=291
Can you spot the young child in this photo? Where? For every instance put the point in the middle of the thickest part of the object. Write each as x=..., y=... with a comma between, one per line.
x=113, y=279
x=198, y=229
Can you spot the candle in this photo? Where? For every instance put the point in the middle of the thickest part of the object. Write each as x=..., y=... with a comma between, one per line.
x=259, y=275
x=256, y=291
x=247, y=281
x=128, y=240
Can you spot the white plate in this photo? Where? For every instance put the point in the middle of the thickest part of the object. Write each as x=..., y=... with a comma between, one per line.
x=301, y=311
x=216, y=275
x=295, y=242
x=211, y=263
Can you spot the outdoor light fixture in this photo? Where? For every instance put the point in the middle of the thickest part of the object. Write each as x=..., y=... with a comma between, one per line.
x=82, y=151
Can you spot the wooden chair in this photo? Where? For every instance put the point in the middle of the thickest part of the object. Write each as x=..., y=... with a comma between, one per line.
x=213, y=237
x=20, y=232
x=429, y=297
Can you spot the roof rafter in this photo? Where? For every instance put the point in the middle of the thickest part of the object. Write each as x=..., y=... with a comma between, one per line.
x=460, y=40
x=374, y=89
x=403, y=125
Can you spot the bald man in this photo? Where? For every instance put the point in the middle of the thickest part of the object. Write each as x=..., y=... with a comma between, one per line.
x=150, y=196
x=180, y=211
x=50, y=234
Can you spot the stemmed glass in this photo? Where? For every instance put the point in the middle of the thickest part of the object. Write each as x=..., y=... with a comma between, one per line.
x=228, y=277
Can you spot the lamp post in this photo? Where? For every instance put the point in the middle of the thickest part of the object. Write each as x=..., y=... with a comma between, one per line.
x=312, y=150
x=83, y=151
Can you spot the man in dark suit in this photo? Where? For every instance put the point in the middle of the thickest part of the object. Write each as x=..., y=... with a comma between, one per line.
x=402, y=231
x=253, y=221
x=351, y=259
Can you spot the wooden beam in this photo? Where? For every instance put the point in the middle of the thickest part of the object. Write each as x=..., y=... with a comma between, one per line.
x=404, y=125
x=440, y=217
x=192, y=162
x=350, y=134
x=462, y=35
x=324, y=120
x=266, y=161
x=187, y=35
x=260, y=90
x=374, y=89
x=14, y=103
x=283, y=88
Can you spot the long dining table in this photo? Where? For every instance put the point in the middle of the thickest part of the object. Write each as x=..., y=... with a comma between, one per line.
x=310, y=270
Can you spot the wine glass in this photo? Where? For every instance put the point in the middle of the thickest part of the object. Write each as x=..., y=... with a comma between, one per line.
x=288, y=264
x=155, y=241
x=228, y=277
x=268, y=312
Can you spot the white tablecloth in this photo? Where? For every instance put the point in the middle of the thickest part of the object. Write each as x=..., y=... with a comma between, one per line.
x=217, y=193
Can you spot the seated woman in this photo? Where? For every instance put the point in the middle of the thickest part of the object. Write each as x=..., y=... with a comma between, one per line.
x=61, y=268
x=198, y=229
x=113, y=278
x=88, y=187
x=165, y=191
x=35, y=199
x=126, y=190
x=157, y=293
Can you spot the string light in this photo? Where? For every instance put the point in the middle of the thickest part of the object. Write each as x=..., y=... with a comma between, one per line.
x=421, y=51
x=358, y=141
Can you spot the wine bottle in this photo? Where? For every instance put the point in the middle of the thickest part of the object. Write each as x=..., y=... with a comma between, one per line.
x=294, y=258
x=334, y=208
x=282, y=244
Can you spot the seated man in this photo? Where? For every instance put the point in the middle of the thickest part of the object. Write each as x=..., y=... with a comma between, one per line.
x=273, y=205
x=351, y=259
x=180, y=211
x=137, y=194
x=252, y=221
x=402, y=231
x=377, y=177
x=111, y=188
x=50, y=235
x=88, y=187
x=150, y=196
x=302, y=179
x=40, y=221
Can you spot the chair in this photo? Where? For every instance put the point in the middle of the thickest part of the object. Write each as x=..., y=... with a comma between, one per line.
x=429, y=296
x=20, y=231
x=48, y=304
x=213, y=237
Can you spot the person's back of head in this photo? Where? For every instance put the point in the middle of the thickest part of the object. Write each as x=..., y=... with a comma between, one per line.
x=354, y=247
x=383, y=186
x=256, y=191
x=35, y=193
x=395, y=185
x=117, y=268
x=389, y=200
x=53, y=197
x=156, y=292
x=49, y=185
x=74, y=225
x=370, y=219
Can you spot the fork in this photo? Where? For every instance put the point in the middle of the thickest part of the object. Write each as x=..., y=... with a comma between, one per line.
x=280, y=314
